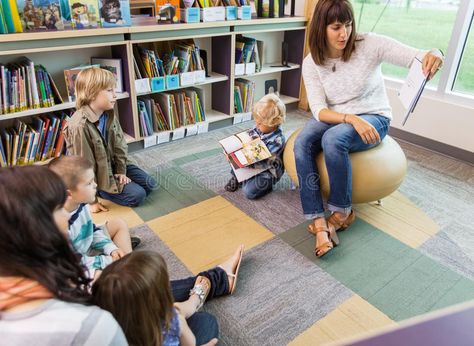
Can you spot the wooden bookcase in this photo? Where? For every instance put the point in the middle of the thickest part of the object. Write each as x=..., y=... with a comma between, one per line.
x=64, y=49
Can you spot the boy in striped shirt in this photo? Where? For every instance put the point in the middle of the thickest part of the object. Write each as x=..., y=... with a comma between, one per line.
x=98, y=245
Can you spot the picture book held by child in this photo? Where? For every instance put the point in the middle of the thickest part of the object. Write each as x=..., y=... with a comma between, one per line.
x=244, y=149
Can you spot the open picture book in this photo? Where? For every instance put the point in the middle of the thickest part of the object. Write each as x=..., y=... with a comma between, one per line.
x=242, y=151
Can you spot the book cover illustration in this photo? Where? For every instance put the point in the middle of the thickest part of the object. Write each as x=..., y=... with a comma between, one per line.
x=114, y=66
x=40, y=15
x=168, y=11
x=84, y=13
x=115, y=13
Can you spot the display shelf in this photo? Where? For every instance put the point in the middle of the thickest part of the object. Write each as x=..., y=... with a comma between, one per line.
x=213, y=78
x=43, y=110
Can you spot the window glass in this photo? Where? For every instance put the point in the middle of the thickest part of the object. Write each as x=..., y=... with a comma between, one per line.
x=464, y=82
x=422, y=24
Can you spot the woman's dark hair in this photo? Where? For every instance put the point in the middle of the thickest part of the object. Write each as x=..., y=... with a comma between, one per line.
x=136, y=290
x=31, y=245
x=327, y=12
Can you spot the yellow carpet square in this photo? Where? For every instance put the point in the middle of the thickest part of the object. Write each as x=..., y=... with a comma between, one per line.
x=353, y=317
x=117, y=211
x=400, y=218
x=205, y=234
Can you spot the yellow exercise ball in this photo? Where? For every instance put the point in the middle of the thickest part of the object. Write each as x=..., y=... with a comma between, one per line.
x=376, y=172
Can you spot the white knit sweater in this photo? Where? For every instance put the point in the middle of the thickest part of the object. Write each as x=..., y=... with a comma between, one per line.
x=356, y=86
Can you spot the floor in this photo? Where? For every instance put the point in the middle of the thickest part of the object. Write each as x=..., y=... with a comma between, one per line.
x=412, y=255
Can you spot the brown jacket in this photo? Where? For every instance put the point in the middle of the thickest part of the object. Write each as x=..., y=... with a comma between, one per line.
x=83, y=138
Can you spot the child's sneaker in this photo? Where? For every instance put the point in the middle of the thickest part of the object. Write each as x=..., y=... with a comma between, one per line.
x=232, y=185
x=135, y=242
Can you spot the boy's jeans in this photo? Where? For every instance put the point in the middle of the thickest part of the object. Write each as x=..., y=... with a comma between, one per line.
x=135, y=192
x=336, y=141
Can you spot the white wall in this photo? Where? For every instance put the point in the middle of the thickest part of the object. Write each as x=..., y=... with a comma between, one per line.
x=437, y=118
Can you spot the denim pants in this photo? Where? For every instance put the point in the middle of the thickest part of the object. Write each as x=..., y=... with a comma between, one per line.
x=135, y=192
x=259, y=185
x=203, y=325
x=336, y=141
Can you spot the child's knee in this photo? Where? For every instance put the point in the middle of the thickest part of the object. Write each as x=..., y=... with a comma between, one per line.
x=137, y=197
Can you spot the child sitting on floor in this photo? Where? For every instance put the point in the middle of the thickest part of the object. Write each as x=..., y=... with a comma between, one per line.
x=137, y=291
x=269, y=113
x=94, y=132
x=92, y=242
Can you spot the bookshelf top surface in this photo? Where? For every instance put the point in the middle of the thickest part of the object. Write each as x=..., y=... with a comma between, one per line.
x=142, y=25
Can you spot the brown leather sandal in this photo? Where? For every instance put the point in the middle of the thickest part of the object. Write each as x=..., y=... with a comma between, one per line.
x=339, y=223
x=326, y=247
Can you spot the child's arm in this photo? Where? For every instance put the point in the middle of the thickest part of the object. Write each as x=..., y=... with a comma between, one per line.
x=120, y=147
x=187, y=337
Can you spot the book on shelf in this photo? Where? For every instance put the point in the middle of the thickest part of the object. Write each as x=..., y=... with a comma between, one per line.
x=11, y=16
x=168, y=11
x=115, y=13
x=84, y=13
x=244, y=92
x=25, y=85
x=39, y=15
x=170, y=110
x=244, y=149
x=70, y=76
x=39, y=139
x=411, y=90
x=114, y=66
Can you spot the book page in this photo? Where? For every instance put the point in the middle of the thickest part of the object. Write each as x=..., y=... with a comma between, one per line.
x=255, y=151
x=246, y=173
x=413, y=86
x=231, y=144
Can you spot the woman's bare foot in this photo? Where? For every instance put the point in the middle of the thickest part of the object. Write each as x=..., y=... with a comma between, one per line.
x=231, y=267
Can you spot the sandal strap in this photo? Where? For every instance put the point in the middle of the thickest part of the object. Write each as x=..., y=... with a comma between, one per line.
x=201, y=291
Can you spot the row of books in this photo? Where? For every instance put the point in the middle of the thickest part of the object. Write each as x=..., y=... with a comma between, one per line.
x=167, y=58
x=39, y=140
x=244, y=94
x=25, y=85
x=38, y=15
x=247, y=50
x=169, y=111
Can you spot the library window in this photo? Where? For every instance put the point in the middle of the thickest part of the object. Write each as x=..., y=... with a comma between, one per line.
x=464, y=82
x=422, y=24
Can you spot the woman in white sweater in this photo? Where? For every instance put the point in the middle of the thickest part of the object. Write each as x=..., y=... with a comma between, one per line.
x=347, y=97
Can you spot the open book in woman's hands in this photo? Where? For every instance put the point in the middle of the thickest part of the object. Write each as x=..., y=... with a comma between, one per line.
x=244, y=149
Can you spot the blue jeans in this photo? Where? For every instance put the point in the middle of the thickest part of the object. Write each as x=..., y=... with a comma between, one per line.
x=336, y=141
x=259, y=185
x=203, y=325
x=135, y=192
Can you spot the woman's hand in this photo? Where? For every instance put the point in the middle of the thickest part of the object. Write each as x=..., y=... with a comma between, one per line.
x=431, y=64
x=122, y=179
x=366, y=131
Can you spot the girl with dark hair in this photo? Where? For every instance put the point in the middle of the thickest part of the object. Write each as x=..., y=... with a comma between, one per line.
x=347, y=97
x=137, y=288
x=43, y=288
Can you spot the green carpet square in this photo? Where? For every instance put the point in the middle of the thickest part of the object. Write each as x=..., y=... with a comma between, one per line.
x=398, y=280
x=200, y=155
x=175, y=190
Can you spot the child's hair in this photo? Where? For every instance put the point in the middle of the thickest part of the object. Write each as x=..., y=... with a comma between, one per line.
x=70, y=168
x=269, y=110
x=31, y=245
x=136, y=290
x=90, y=82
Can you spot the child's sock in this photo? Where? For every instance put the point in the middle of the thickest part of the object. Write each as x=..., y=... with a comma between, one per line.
x=232, y=185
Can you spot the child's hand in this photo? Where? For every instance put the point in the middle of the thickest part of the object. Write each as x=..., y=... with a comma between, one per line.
x=122, y=179
x=117, y=254
x=97, y=207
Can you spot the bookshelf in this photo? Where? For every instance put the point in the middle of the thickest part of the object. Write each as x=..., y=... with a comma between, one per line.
x=59, y=50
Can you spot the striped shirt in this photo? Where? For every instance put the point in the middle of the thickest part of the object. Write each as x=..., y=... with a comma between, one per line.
x=92, y=242
x=275, y=142
x=60, y=323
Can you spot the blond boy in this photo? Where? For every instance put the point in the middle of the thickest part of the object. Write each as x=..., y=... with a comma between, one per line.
x=98, y=245
x=269, y=113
